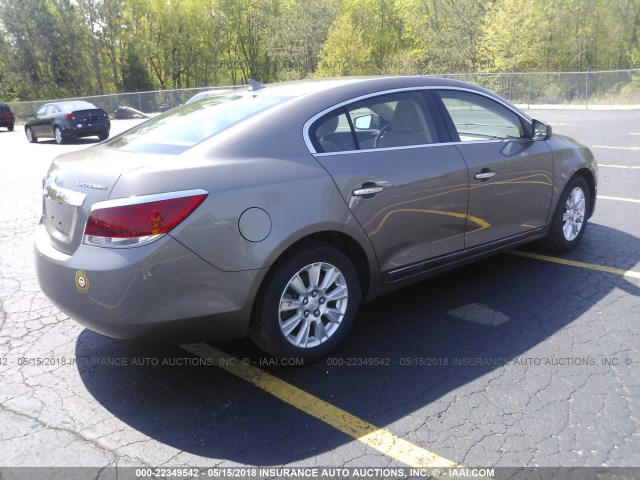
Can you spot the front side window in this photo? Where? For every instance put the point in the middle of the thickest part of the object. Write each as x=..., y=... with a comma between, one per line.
x=477, y=117
x=385, y=121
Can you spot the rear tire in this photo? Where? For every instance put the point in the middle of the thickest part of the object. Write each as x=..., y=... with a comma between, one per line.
x=31, y=138
x=307, y=303
x=571, y=215
x=10, y=127
x=57, y=135
x=103, y=136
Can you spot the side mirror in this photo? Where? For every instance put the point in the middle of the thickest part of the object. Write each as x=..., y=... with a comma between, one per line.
x=540, y=131
x=364, y=122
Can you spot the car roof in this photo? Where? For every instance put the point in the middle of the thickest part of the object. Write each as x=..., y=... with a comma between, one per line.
x=298, y=88
x=333, y=90
x=209, y=93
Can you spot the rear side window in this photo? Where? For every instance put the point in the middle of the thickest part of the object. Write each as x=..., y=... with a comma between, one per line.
x=333, y=133
x=386, y=121
x=185, y=126
x=477, y=117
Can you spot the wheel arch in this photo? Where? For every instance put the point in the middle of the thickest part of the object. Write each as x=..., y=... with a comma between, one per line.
x=591, y=181
x=261, y=331
x=343, y=242
x=29, y=128
x=340, y=240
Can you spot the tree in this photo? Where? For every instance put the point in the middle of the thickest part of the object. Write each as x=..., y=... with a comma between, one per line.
x=135, y=77
x=381, y=27
x=507, y=24
x=48, y=40
x=298, y=35
x=247, y=25
x=345, y=52
x=443, y=35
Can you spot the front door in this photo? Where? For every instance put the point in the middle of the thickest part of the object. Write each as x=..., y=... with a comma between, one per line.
x=510, y=175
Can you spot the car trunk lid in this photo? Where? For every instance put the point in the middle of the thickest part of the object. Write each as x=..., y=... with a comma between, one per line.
x=74, y=183
x=88, y=115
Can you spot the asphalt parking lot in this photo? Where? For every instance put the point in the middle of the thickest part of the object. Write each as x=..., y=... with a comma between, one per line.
x=529, y=359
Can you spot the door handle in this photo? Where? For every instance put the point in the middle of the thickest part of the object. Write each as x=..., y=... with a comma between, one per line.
x=359, y=192
x=484, y=175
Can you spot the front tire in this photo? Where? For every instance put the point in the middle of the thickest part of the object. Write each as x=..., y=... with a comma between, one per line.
x=307, y=303
x=571, y=215
x=57, y=135
x=31, y=138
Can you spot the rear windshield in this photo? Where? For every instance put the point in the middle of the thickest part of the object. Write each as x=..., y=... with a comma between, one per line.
x=185, y=126
x=76, y=105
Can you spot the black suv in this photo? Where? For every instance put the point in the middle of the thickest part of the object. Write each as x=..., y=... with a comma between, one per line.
x=7, y=119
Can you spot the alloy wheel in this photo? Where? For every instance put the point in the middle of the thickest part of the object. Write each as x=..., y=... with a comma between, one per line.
x=313, y=305
x=574, y=213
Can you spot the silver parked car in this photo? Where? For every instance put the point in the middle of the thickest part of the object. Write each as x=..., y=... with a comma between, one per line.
x=275, y=210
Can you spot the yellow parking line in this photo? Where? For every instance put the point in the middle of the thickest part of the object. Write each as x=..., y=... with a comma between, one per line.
x=619, y=199
x=377, y=438
x=573, y=263
x=634, y=133
x=618, y=166
x=615, y=148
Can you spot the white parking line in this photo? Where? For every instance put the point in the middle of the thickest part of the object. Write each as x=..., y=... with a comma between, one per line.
x=619, y=199
x=616, y=148
x=618, y=166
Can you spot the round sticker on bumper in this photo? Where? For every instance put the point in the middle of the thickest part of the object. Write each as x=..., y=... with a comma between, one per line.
x=82, y=281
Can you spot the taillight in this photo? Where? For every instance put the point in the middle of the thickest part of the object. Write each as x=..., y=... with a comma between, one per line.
x=70, y=116
x=139, y=220
x=105, y=114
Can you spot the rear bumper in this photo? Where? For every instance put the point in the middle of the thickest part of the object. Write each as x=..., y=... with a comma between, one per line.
x=84, y=130
x=159, y=290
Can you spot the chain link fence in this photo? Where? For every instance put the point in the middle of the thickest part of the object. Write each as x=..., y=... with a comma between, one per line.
x=578, y=89
x=529, y=90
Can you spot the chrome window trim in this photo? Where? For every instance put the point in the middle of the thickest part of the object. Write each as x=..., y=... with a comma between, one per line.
x=308, y=123
x=422, y=145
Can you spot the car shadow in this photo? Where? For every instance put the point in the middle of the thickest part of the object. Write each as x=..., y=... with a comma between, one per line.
x=464, y=324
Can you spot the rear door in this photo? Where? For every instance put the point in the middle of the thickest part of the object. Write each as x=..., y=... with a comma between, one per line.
x=510, y=175
x=407, y=190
